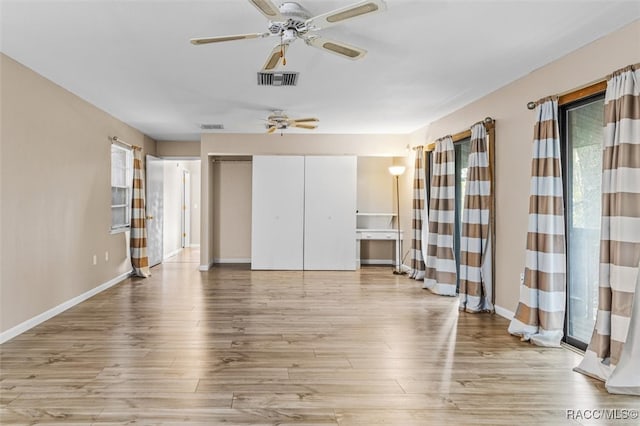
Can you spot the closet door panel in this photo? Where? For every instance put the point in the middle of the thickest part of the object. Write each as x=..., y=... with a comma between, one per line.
x=330, y=213
x=277, y=212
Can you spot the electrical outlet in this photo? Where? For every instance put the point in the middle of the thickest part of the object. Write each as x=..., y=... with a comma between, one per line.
x=106, y=256
x=95, y=259
x=521, y=278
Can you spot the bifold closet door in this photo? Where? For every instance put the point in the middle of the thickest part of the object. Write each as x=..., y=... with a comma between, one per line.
x=330, y=213
x=277, y=212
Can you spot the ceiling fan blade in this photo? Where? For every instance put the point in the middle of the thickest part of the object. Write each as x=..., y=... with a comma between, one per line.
x=337, y=47
x=338, y=16
x=268, y=9
x=271, y=129
x=275, y=57
x=207, y=40
x=305, y=125
x=303, y=120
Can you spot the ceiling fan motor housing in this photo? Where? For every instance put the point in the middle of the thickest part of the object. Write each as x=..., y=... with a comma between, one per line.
x=294, y=26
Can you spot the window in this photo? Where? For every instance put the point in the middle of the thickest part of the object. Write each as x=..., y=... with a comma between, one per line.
x=581, y=137
x=121, y=182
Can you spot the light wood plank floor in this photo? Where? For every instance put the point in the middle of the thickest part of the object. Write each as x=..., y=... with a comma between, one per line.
x=232, y=346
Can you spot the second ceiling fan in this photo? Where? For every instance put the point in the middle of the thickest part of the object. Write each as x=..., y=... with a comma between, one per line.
x=278, y=120
x=291, y=21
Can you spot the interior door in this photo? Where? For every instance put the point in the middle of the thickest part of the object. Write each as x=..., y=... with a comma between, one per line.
x=155, y=207
x=330, y=213
x=277, y=212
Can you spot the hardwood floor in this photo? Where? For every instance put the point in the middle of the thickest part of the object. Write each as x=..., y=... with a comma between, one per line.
x=232, y=346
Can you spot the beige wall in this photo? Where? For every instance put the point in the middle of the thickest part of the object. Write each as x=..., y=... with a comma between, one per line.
x=178, y=149
x=376, y=194
x=55, y=192
x=375, y=185
x=304, y=144
x=232, y=211
x=288, y=144
x=514, y=127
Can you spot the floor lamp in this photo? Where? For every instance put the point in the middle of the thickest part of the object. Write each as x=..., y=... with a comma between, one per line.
x=397, y=171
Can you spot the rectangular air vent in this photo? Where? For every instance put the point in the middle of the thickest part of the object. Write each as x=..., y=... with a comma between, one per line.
x=211, y=126
x=277, y=78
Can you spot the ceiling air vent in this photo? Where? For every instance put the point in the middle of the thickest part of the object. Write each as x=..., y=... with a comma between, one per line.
x=211, y=126
x=277, y=78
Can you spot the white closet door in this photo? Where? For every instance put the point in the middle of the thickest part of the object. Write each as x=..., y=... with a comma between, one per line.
x=277, y=212
x=330, y=213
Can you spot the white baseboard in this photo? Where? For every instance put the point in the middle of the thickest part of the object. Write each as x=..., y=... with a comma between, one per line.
x=206, y=267
x=173, y=253
x=504, y=313
x=38, y=319
x=386, y=262
x=194, y=245
x=232, y=260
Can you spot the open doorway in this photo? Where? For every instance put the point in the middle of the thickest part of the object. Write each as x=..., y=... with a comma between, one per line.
x=173, y=207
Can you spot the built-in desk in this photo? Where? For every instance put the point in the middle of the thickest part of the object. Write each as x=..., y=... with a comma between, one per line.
x=376, y=227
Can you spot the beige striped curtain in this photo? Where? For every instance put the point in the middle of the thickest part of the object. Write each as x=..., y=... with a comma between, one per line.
x=440, y=273
x=475, y=244
x=540, y=313
x=417, y=261
x=139, y=259
x=613, y=354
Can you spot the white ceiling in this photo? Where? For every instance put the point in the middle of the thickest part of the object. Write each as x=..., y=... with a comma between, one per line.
x=425, y=59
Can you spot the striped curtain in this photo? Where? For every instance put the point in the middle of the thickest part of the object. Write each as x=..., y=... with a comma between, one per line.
x=417, y=261
x=440, y=274
x=614, y=351
x=139, y=259
x=540, y=313
x=475, y=244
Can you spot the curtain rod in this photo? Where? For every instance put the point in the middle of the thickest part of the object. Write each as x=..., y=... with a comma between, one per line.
x=488, y=122
x=574, y=95
x=120, y=141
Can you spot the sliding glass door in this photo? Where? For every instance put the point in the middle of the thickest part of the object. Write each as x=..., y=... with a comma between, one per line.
x=462, y=165
x=582, y=136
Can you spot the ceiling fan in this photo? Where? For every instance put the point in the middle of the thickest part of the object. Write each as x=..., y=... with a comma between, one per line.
x=280, y=121
x=291, y=21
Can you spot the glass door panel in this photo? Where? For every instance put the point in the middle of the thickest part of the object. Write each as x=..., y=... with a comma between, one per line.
x=584, y=134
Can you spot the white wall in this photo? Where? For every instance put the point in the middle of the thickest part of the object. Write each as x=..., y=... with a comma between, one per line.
x=172, y=218
x=193, y=166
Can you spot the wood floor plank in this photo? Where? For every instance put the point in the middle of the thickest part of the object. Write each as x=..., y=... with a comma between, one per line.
x=216, y=416
x=234, y=346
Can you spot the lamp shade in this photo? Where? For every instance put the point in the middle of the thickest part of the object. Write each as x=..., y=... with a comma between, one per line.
x=396, y=170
